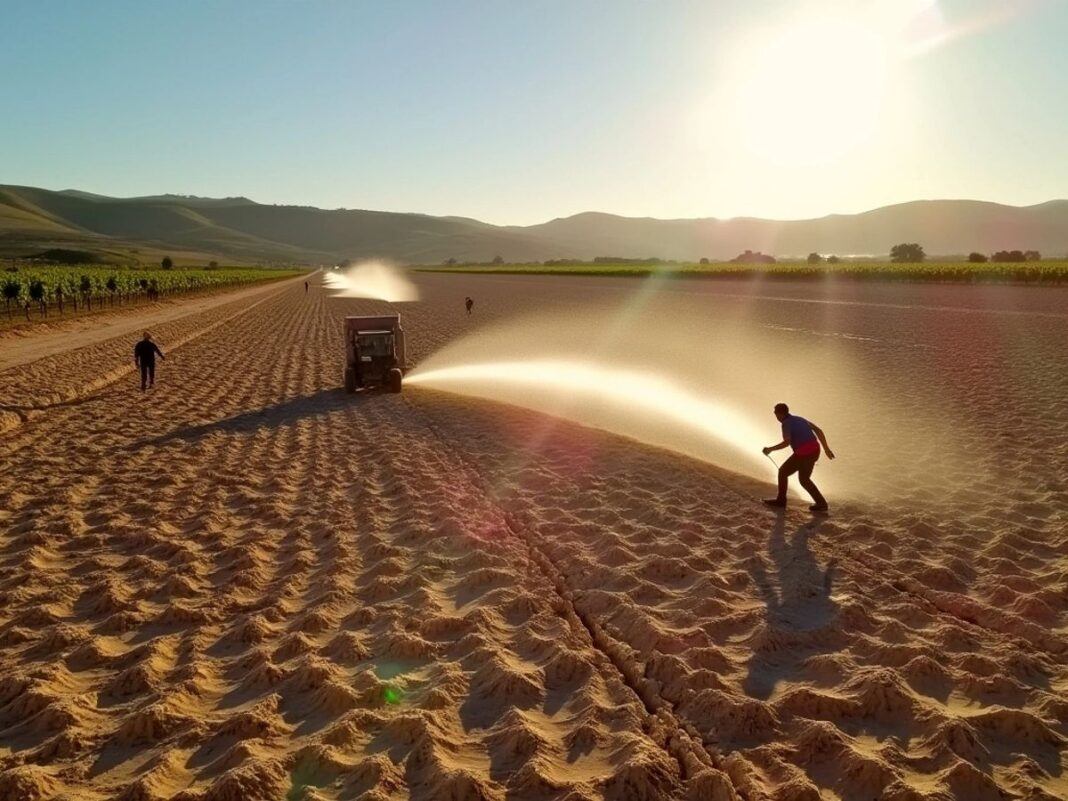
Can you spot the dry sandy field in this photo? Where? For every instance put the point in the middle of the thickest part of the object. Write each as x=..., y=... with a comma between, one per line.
x=246, y=584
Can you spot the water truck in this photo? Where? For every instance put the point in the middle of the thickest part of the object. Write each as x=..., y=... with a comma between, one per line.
x=375, y=354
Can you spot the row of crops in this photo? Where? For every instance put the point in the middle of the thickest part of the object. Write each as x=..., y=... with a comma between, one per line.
x=1037, y=272
x=58, y=290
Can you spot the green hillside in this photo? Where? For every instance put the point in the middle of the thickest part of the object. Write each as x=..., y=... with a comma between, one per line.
x=238, y=229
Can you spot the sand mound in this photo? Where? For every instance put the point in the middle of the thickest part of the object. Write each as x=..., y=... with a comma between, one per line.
x=28, y=783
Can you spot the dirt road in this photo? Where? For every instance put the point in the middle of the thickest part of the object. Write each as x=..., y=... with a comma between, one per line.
x=246, y=585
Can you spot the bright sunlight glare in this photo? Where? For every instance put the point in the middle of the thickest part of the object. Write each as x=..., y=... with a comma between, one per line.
x=811, y=93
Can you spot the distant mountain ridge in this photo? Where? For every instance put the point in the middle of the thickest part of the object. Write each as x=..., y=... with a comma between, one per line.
x=33, y=219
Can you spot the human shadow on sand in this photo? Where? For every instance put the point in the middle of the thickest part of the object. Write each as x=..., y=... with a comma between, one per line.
x=318, y=404
x=799, y=617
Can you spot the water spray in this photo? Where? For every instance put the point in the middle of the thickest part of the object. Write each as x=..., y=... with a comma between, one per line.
x=638, y=403
x=666, y=372
x=376, y=280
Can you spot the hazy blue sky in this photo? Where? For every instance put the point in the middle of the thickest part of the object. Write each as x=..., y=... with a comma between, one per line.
x=517, y=112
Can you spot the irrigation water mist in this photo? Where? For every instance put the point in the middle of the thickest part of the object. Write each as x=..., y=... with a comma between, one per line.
x=679, y=379
x=377, y=280
x=640, y=391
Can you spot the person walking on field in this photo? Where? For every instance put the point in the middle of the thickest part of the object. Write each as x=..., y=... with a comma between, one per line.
x=305, y=287
x=804, y=438
x=469, y=304
x=145, y=353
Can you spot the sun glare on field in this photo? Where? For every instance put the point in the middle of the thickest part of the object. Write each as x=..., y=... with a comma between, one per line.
x=811, y=93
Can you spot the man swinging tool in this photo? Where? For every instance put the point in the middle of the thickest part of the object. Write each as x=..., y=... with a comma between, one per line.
x=804, y=438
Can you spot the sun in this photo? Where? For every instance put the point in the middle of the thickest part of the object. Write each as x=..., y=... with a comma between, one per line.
x=811, y=93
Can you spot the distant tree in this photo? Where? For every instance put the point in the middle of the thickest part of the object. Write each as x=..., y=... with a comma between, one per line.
x=450, y=261
x=1032, y=255
x=833, y=259
x=1008, y=256
x=814, y=258
x=704, y=261
x=11, y=290
x=976, y=258
x=498, y=259
x=749, y=257
x=37, y=295
x=213, y=265
x=908, y=253
x=167, y=263
x=85, y=286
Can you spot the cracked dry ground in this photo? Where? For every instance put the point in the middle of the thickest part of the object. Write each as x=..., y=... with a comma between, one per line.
x=247, y=585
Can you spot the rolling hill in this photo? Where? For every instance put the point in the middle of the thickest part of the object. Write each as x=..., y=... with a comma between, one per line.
x=33, y=219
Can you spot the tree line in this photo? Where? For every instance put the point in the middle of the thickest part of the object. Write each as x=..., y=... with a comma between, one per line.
x=903, y=253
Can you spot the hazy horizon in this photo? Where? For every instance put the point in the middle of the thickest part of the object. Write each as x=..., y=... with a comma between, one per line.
x=202, y=196
x=520, y=114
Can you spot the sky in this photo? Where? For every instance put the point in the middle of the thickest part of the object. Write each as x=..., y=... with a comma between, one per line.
x=519, y=112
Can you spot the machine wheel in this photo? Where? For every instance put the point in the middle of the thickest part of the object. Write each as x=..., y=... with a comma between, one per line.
x=394, y=379
x=350, y=380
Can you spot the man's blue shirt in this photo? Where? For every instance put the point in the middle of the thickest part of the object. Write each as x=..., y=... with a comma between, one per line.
x=802, y=438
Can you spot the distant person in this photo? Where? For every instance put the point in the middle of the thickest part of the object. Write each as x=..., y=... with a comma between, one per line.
x=470, y=304
x=804, y=438
x=305, y=287
x=145, y=353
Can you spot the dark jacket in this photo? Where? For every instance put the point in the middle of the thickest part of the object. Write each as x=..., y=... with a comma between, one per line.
x=145, y=352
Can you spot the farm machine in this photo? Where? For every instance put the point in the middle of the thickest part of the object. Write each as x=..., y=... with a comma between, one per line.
x=374, y=353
